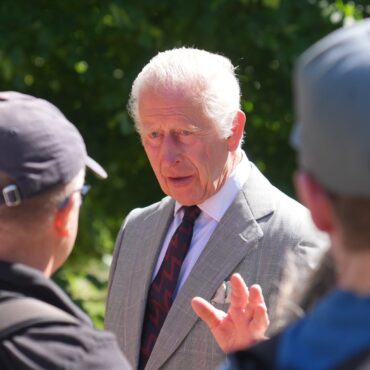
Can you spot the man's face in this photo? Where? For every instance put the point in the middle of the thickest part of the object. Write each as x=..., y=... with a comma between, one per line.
x=185, y=150
x=66, y=222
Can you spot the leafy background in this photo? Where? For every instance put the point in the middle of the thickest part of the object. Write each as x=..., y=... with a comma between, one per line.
x=84, y=55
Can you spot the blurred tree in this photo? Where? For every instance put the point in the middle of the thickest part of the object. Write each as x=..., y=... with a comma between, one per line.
x=84, y=55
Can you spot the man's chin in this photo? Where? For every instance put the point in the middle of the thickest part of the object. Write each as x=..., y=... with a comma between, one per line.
x=185, y=200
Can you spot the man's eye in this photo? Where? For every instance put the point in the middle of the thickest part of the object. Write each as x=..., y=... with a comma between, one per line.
x=184, y=133
x=154, y=135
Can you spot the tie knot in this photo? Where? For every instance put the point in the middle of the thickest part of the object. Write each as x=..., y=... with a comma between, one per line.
x=191, y=213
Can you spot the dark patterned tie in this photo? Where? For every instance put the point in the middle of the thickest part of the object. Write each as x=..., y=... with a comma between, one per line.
x=161, y=290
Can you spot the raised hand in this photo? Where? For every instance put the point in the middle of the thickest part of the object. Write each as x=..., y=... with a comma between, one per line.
x=244, y=324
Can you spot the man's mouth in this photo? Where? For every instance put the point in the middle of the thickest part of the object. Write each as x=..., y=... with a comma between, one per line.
x=179, y=180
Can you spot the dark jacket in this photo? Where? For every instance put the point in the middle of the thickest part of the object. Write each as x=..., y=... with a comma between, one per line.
x=53, y=345
x=263, y=357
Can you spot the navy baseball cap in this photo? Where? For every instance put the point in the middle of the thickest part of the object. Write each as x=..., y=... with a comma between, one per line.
x=332, y=102
x=39, y=148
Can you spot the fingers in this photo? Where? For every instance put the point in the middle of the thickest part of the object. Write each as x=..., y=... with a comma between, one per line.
x=247, y=308
x=255, y=295
x=239, y=292
x=241, y=297
x=260, y=321
x=261, y=317
x=209, y=314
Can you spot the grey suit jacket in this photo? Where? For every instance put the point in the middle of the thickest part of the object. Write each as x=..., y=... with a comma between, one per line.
x=260, y=226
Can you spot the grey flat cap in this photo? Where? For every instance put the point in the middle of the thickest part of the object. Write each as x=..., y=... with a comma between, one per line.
x=332, y=102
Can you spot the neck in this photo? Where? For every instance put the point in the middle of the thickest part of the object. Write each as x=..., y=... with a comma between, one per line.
x=235, y=159
x=355, y=273
x=352, y=263
x=31, y=252
x=44, y=265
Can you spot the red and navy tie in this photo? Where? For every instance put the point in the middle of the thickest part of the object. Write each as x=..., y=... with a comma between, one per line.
x=160, y=296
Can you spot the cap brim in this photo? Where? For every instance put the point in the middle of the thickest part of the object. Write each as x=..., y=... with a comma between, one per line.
x=96, y=168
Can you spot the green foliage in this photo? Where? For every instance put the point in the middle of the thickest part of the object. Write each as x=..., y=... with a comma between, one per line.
x=84, y=55
x=86, y=283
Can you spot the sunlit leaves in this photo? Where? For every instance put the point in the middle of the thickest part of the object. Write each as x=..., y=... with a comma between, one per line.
x=81, y=67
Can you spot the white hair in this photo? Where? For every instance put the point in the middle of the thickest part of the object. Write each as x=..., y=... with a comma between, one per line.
x=209, y=78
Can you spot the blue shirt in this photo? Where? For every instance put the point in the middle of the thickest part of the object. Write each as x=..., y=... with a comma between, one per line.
x=337, y=329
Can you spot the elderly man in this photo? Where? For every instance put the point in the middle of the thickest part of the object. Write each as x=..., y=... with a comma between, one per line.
x=332, y=137
x=42, y=169
x=221, y=215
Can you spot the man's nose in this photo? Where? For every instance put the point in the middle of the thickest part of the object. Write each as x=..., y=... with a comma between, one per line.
x=170, y=150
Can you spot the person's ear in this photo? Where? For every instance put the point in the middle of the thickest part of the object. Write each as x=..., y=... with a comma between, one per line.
x=233, y=140
x=62, y=218
x=316, y=199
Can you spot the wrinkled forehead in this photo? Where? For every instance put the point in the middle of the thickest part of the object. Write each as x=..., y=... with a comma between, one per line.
x=170, y=101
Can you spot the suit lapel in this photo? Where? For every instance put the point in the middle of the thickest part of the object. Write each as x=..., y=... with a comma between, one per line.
x=136, y=267
x=234, y=239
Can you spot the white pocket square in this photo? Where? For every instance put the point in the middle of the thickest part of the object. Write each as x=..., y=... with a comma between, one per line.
x=223, y=294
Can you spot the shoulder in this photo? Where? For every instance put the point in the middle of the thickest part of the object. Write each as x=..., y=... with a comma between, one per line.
x=139, y=217
x=295, y=224
x=285, y=223
x=284, y=206
x=141, y=214
x=291, y=214
x=264, y=198
x=277, y=211
x=56, y=346
x=140, y=220
x=292, y=227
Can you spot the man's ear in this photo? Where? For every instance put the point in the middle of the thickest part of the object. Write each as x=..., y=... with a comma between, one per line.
x=233, y=140
x=316, y=199
x=62, y=218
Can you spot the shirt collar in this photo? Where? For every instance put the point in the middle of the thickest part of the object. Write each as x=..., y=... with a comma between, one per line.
x=216, y=206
